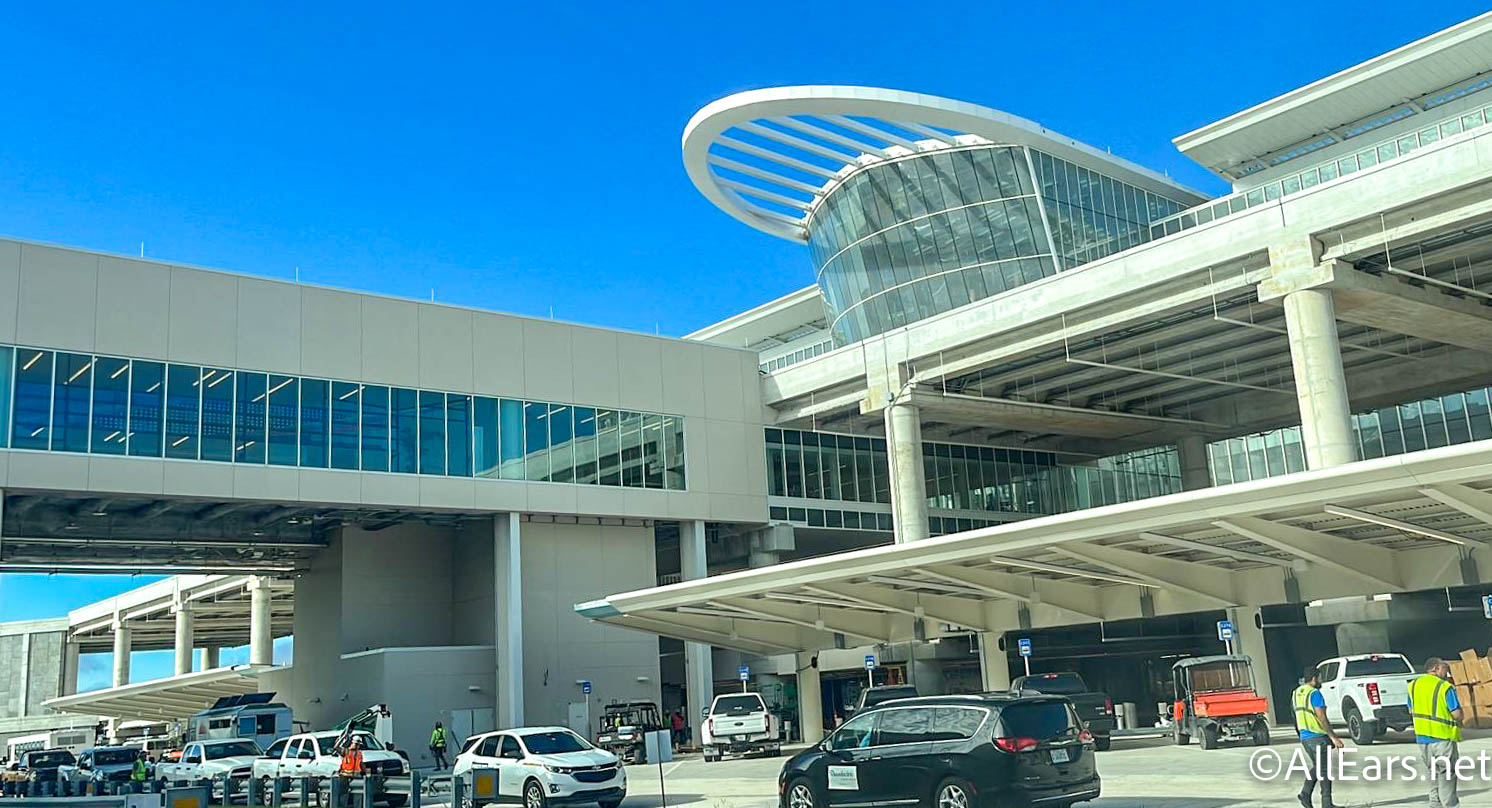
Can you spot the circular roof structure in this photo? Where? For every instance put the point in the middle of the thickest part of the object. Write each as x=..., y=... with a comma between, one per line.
x=768, y=157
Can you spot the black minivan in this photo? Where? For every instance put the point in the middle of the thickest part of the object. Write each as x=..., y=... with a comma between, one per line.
x=949, y=752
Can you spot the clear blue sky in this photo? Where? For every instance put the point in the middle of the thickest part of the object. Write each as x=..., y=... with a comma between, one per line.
x=526, y=156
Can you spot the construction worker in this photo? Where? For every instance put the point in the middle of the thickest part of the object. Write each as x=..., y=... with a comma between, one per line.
x=438, y=745
x=139, y=773
x=1437, y=728
x=1316, y=735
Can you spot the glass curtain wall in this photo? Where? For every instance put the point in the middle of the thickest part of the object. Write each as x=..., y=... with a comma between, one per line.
x=67, y=402
x=1093, y=215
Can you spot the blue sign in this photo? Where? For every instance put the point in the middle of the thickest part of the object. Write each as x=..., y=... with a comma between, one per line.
x=870, y=662
x=745, y=672
x=1025, y=645
x=585, y=687
x=1487, y=606
x=1224, y=630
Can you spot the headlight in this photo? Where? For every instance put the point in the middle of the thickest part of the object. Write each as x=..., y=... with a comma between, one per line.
x=558, y=769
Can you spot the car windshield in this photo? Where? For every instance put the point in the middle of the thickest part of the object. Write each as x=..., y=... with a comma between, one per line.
x=109, y=757
x=1231, y=674
x=37, y=760
x=1377, y=666
x=1064, y=684
x=1042, y=720
x=554, y=743
x=874, y=697
x=737, y=705
x=218, y=751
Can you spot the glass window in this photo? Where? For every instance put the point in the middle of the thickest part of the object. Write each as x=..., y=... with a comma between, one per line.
x=111, y=396
x=856, y=733
x=510, y=439
x=432, y=432
x=812, y=487
x=881, y=469
x=7, y=366
x=1457, y=428
x=536, y=439
x=561, y=451
x=847, y=475
x=33, y=407
x=608, y=447
x=217, y=414
x=346, y=404
x=458, y=435
x=147, y=399
x=632, y=454
x=585, y=446
x=70, y=401
x=776, y=481
x=865, y=478
x=315, y=422
x=673, y=429
x=1477, y=412
x=792, y=454
x=404, y=443
x=484, y=436
x=283, y=419
x=253, y=401
x=903, y=726
x=375, y=427
x=652, y=450
x=183, y=410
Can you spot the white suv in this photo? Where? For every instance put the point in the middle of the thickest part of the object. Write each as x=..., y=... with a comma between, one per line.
x=1368, y=693
x=541, y=766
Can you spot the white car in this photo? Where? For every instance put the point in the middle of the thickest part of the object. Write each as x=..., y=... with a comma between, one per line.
x=202, y=760
x=1367, y=693
x=543, y=766
x=310, y=755
x=740, y=722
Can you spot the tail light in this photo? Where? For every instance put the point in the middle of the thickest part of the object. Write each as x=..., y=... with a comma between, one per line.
x=1373, y=695
x=710, y=725
x=1015, y=744
x=1085, y=736
x=1108, y=706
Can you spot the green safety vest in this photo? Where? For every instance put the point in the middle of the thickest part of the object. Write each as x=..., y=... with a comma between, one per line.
x=1306, y=719
x=438, y=738
x=139, y=773
x=1431, y=710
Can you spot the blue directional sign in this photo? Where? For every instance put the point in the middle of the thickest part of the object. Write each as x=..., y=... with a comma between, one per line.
x=585, y=687
x=1224, y=630
x=870, y=662
x=1024, y=644
x=745, y=672
x=1487, y=606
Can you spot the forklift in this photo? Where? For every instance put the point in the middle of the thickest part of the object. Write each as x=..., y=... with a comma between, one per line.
x=1215, y=700
x=624, y=727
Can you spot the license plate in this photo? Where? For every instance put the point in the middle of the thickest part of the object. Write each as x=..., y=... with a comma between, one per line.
x=1060, y=756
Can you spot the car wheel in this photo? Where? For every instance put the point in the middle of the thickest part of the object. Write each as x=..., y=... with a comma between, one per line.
x=1360, y=730
x=533, y=795
x=265, y=794
x=1209, y=737
x=610, y=803
x=1261, y=733
x=1181, y=738
x=954, y=793
x=800, y=795
x=1101, y=742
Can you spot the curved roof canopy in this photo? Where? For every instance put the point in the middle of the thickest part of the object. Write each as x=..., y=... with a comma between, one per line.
x=767, y=157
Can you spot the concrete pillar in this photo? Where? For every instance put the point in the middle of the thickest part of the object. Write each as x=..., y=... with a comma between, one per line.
x=908, y=478
x=508, y=620
x=25, y=694
x=1369, y=637
x=1248, y=638
x=261, y=638
x=810, y=699
x=70, y=652
x=121, y=653
x=1320, y=383
x=994, y=666
x=212, y=657
x=183, y=612
x=1191, y=451
x=699, y=663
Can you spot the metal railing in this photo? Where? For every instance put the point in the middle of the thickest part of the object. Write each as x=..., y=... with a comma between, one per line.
x=1381, y=152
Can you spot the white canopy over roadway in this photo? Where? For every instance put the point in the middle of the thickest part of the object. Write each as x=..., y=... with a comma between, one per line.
x=1410, y=522
x=170, y=699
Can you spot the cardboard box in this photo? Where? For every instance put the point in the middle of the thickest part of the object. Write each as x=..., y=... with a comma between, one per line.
x=1459, y=674
x=1477, y=667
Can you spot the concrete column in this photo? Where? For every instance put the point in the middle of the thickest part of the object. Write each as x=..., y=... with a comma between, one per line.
x=508, y=620
x=1320, y=383
x=183, y=612
x=1249, y=639
x=261, y=639
x=908, y=479
x=212, y=657
x=1191, y=451
x=994, y=666
x=70, y=668
x=25, y=694
x=810, y=699
x=699, y=663
x=121, y=653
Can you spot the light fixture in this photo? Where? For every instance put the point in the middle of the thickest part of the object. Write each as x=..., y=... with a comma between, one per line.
x=153, y=387
x=181, y=440
x=120, y=372
x=33, y=360
x=1396, y=524
x=80, y=371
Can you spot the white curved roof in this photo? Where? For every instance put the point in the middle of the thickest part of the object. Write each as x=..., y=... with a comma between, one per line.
x=768, y=156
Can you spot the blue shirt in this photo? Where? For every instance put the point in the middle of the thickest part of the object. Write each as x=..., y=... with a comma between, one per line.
x=1315, y=701
x=1452, y=703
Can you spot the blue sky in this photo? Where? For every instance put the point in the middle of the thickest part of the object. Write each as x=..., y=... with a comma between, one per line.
x=525, y=157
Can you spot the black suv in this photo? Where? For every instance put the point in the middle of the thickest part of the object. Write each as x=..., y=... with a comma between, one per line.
x=993, y=749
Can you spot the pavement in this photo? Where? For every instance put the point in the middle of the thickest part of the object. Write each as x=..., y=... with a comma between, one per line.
x=1137, y=773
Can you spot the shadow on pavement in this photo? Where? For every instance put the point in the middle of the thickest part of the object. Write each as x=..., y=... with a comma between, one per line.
x=655, y=801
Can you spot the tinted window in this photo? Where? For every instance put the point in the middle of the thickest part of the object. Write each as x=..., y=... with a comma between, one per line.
x=346, y=402
x=737, y=705
x=488, y=747
x=1040, y=720
x=1378, y=666
x=1064, y=684
x=510, y=748
x=147, y=392
x=955, y=723
x=48, y=759
x=903, y=726
x=554, y=743
x=231, y=749
x=315, y=422
x=855, y=733
x=1329, y=671
x=276, y=749
x=108, y=757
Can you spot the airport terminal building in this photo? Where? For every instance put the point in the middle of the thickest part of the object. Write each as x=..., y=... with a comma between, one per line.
x=1034, y=390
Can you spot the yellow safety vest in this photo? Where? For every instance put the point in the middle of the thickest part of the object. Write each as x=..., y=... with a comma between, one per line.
x=1305, y=715
x=1431, y=710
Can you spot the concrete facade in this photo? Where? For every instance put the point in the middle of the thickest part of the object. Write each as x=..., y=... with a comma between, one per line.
x=35, y=665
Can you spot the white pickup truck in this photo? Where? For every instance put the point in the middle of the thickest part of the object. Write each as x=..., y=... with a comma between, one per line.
x=310, y=755
x=210, y=760
x=1367, y=693
x=740, y=722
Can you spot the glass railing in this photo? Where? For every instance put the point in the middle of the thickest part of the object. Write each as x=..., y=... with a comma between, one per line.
x=1383, y=152
x=780, y=362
